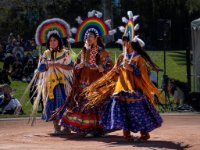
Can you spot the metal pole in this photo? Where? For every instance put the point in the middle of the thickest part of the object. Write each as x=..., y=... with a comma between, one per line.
x=165, y=72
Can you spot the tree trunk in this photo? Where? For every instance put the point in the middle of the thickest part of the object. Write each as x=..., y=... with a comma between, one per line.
x=107, y=14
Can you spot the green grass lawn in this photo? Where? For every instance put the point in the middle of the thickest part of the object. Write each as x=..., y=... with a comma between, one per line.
x=176, y=68
x=175, y=61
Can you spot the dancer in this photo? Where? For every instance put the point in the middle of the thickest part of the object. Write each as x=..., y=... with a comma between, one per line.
x=92, y=63
x=53, y=78
x=127, y=93
x=131, y=104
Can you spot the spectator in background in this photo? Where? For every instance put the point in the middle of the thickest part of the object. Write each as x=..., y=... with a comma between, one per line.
x=33, y=44
x=4, y=43
x=18, y=50
x=1, y=52
x=10, y=38
x=27, y=57
x=17, y=69
x=4, y=77
x=8, y=61
x=8, y=103
x=22, y=43
x=28, y=71
x=35, y=53
x=27, y=45
x=19, y=38
x=10, y=46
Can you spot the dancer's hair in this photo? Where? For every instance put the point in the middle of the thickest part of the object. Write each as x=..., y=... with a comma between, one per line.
x=136, y=46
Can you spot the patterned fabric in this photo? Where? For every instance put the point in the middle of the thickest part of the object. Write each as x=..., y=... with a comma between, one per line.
x=82, y=122
x=93, y=53
x=139, y=115
x=53, y=104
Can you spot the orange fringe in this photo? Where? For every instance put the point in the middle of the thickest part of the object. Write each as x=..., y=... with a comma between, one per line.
x=97, y=92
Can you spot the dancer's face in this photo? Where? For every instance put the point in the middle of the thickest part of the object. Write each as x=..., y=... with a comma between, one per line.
x=90, y=39
x=53, y=43
x=126, y=44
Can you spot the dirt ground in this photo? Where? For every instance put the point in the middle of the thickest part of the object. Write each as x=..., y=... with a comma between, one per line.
x=179, y=131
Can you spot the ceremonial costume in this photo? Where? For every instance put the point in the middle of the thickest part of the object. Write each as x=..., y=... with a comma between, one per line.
x=53, y=77
x=126, y=92
x=57, y=81
x=91, y=58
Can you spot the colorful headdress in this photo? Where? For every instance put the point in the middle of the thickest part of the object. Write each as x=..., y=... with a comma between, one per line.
x=93, y=23
x=130, y=28
x=50, y=26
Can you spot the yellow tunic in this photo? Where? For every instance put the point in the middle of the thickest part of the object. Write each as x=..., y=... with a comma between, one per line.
x=55, y=75
x=124, y=80
x=129, y=82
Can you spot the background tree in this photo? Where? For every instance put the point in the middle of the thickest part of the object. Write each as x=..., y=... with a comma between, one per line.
x=23, y=16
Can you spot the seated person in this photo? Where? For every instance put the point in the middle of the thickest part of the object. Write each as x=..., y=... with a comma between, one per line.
x=4, y=79
x=17, y=70
x=28, y=71
x=8, y=61
x=9, y=104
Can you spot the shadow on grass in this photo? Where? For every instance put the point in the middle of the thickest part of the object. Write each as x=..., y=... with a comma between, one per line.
x=179, y=57
x=114, y=140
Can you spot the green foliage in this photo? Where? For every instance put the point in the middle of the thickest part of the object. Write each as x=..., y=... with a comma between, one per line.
x=23, y=16
x=193, y=6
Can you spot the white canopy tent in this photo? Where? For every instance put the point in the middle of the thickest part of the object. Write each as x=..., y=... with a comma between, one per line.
x=195, y=33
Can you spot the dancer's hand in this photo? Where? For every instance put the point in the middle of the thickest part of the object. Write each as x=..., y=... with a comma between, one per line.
x=79, y=66
x=116, y=69
x=54, y=65
x=50, y=65
x=127, y=66
x=100, y=68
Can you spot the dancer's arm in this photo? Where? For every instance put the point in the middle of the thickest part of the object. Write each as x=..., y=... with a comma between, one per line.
x=65, y=67
x=106, y=62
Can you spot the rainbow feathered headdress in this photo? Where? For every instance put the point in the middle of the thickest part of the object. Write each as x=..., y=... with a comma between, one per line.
x=54, y=25
x=130, y=28
x=94, y=23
